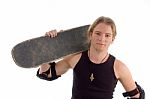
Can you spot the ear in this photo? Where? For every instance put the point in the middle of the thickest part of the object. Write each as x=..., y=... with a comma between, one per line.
x=90, y=35
x=113, y=40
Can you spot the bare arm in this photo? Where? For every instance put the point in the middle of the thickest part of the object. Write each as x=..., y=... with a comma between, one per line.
x=61, y=67
x=124, y=76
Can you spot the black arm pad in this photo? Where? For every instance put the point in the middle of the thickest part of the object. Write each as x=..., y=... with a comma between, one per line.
x=134, y=92
x=141, y=90
x=44, y=75
x=131, y=93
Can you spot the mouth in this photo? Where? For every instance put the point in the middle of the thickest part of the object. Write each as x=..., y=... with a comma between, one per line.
x=100, y=44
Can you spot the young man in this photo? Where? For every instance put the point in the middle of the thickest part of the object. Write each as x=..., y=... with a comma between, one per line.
x=95, y=71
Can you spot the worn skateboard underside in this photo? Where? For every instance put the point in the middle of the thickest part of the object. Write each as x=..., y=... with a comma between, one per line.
x=36, y=51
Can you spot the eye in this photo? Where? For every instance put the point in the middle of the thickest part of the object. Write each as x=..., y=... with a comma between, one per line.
x=98, y=33
x=108, y=35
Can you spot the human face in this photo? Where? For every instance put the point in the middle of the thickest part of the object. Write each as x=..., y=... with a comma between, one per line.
x=101, y=37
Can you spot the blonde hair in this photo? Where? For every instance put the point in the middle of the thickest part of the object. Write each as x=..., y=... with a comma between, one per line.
x=107, y=21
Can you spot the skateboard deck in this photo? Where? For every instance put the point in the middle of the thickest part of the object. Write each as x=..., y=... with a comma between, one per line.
x=36, y=51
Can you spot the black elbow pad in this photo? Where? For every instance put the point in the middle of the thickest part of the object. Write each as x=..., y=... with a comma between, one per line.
x=44, y=75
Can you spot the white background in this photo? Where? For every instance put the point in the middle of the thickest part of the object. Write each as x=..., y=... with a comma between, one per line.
x=24, y=19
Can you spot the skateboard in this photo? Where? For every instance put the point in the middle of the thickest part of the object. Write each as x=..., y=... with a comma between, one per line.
x=36, y=51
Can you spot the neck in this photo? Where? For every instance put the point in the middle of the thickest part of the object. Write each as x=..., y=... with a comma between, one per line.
x=97, y=56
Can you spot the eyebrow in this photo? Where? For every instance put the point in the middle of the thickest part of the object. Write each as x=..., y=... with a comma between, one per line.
x=101, y=32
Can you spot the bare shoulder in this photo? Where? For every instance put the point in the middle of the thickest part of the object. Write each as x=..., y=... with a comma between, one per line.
x=72, y=59
x=120, y=69
x=124, y=75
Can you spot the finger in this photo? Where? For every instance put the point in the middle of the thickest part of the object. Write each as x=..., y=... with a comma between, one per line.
x=55, y=33
x=61, y=30
x=48, y=33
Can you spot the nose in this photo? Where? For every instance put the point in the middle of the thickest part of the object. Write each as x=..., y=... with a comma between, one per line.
x=102, y=37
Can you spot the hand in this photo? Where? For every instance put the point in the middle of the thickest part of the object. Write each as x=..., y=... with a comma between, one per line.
x=52, y=33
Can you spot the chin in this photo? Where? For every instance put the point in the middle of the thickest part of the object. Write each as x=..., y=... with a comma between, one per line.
x=100, y=49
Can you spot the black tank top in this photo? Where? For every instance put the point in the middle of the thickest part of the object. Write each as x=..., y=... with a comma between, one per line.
x=102, y=87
